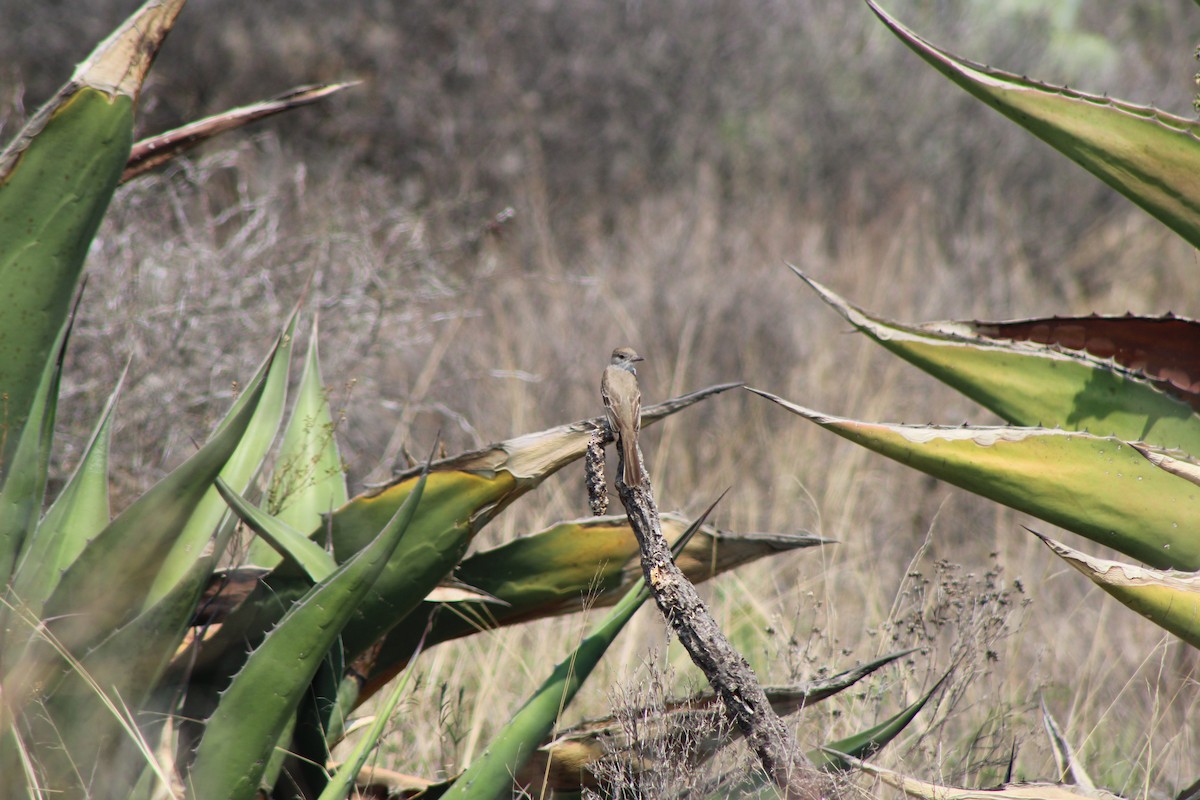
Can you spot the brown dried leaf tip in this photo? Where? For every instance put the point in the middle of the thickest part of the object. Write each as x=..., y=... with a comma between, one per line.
x=593, y=470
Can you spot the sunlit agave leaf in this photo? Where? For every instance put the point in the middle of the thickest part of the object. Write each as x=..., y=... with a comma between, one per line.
x=1128, y=377
x=308, y=480
x=158, y=150
x=1099, y=487
x=932, y=791
x=586, y=562
x=56, y=180
x=1069, y=768
x=242, y=733
x=1168, y=598
x=1150, y=156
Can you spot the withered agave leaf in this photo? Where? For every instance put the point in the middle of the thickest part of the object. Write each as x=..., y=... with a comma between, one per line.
x=158, y=150
x=1168, y=598
x=1025, y=791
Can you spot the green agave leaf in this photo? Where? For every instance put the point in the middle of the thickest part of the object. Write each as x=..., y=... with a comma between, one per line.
x=79, y=512
x=242, y=466
x=308, y=480
x=56, y=180
x=242, y=733
x=1099, y=487
x=491, y=775
x=25, y=480
x=110, y=579
x=865, y=744
x=1045, y=385
x=1150, y=156
x=1168, y=598
x=304, y=552
x=588, y=562
x=158, y=150
x=932, y=791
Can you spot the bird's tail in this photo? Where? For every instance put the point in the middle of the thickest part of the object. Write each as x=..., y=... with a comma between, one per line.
x=632, y=459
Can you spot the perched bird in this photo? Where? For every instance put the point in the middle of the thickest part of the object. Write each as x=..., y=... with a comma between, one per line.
x=623, y=405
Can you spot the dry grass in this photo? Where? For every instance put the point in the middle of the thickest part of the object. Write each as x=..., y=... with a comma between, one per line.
x=433, y=324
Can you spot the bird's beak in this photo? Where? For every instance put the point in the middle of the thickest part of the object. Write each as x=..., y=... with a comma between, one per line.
x=637, y=358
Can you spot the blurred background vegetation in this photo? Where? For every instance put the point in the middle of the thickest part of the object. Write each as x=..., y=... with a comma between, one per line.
x=515, y=188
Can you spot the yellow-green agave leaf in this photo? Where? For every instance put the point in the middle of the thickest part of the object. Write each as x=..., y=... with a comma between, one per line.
x=1099, y=487
x=1168, y=598
x=1086, y=375
x=1150, y=156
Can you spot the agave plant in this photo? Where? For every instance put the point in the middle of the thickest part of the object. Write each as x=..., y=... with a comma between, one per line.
x=1104, y=417
x=131, y=665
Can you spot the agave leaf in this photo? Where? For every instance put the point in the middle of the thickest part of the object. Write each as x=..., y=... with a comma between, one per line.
x=308, y=481
x=1168, y=598
x=242, y=466
x=1069, y=768
x=1150, y=156
x=89, y=599
x=586, y=562
x=79, y=512
x=158, y=150
x=566, y=764
x=304, y=552
x=1099, y=487
x=242, y=733
x=866, y=743
x=1129, y=377
x=932, y=791
x=56, y=180
x=25, y=481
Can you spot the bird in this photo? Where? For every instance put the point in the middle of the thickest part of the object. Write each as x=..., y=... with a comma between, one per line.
x=623, y=406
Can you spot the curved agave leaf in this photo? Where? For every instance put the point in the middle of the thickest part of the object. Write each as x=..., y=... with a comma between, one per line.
x=241, y=734
x=304, y=552
x=308, y=481
x=151, y=153
x=1099, y=487
x=1128, y=377
x=1168, y=598
x=56, y=180
x=587, y=562
x=1150, y=156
